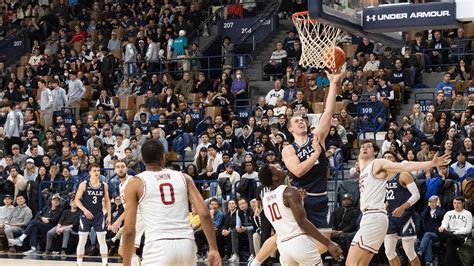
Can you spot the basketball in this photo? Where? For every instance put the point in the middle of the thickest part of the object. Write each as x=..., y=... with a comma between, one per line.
x=334, y=58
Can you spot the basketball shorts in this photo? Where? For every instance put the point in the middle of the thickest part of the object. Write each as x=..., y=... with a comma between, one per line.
x=403, y=226
x=98, y=223
x=173, y=252
x=299, y=250
x=373, y=227
x=139, y=230
x=316, y=208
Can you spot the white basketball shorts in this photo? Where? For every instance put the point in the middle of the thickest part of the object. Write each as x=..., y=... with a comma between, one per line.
x=373, y=228
x=300, y=250
x=174, y=252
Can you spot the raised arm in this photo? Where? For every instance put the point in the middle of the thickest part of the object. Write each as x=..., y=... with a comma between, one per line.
x=326, y=117
x=133, y=193
x=293, y=163
x=382, y=164
x=206, y=221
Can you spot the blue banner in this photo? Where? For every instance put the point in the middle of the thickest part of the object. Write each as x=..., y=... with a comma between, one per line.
x=404, y=17
x=12, y=49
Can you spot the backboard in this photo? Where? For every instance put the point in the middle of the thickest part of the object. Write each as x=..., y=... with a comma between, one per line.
x=347, y=14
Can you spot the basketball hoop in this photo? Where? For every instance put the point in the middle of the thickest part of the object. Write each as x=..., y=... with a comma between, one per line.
x=318, y=41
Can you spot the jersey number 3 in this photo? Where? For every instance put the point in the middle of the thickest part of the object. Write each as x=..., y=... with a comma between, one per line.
x=167, y=193
x=274, y=211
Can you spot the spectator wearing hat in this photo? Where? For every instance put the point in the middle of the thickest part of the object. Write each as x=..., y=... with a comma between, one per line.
x=107, y=70
x=18, y=158
x=114, y=42
x=290, y=93
x=44, y=221
x=270, y=157
x=16, y=221
x=344, y=222
x=31, y=170
x=6, y=209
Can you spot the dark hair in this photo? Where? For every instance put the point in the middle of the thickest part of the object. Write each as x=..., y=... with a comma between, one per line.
x=374, y=144
x=93, y=165
x=265, y=175
x=459, y=198
x=213, y=200
x=393, y=154
x=152, y=151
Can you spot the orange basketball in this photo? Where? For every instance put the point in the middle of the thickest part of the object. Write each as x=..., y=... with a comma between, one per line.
x=334, y=58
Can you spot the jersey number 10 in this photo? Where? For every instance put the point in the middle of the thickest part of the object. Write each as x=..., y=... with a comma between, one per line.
x=274, y=211
x=165, y=190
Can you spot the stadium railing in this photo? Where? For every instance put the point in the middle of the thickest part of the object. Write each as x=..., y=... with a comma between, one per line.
x=459, y=52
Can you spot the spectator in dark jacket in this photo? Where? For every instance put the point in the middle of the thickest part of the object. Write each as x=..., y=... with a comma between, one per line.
x=107, y=69
x=44, y=221
x=343, y=221
x=68, y=222
x=364, y=48
x=439, y=53
x=431, y=217
x=388, y=60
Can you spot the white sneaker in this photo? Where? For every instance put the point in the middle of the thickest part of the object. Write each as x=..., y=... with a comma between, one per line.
x=16, y=242
x=234, y=258
x=250, y=259
x=30, y=252
x=187, y=149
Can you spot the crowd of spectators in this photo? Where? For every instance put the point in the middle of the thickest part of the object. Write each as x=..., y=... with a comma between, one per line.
x=106, y=54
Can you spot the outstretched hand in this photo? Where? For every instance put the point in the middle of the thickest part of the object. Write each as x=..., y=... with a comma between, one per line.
x=335, y=75
x=440, y=161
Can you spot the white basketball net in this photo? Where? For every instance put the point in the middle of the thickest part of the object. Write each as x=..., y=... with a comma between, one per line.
x=317, y=40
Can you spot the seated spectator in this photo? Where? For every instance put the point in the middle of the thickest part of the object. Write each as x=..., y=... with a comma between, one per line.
x=459, y=45
x=343, y=221
x=462, y=72
x=105, y=101
x=429, y=126
x=16, y=221
x=455, y=227
x=275, y=66
x=424, y=154
x=68, y=223
x=295, y=51
x=373, y=64
x=390, y=137
x=290, y=40
x=441, y=103
x=290, y=93
x=275, y=93
x=400, y=77
x=417, y=117
x=431, y=217
x=124, y=89
x=462, y=168
x=239, y=86
x=44, y=221
x=17, y=179
x=446, y=86
x=314, y=93
x=225, y=99
x=355, y=64
x=388, y=59
x=354, y=172
x=418, y=47
x=438, y=53
x=360, y=81
x=6, y=210
x=224, y=237
x=243, y=230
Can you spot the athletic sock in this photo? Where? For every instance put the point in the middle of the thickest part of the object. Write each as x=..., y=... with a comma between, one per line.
x=79, y=261
x=104, y=261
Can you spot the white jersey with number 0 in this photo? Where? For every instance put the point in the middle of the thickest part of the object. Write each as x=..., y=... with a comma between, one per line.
x=279, y=215
x=164, y=206
x=372, y=190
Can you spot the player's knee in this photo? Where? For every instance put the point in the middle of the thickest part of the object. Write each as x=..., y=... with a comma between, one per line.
x=390, y=244
x=409, y=248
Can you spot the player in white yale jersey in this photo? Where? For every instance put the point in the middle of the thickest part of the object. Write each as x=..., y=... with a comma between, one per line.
x=372, y=187
x=296, y=235
x=163, y=197
x=121, y=170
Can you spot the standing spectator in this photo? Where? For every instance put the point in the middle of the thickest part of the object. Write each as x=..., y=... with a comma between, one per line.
x=76, y=91
x=439, y=53
x=431, y=217
x=46, y=104
x=455, y=227
x=67, y=223
x=16, y=221
x=151, y=55
x=400, y=77
x=179, y=45
x=227, y=51
x=410, y=62
x=13, y=127
x=107, y=70
x=45, y=220
x=59, y=97
x=130, y=56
